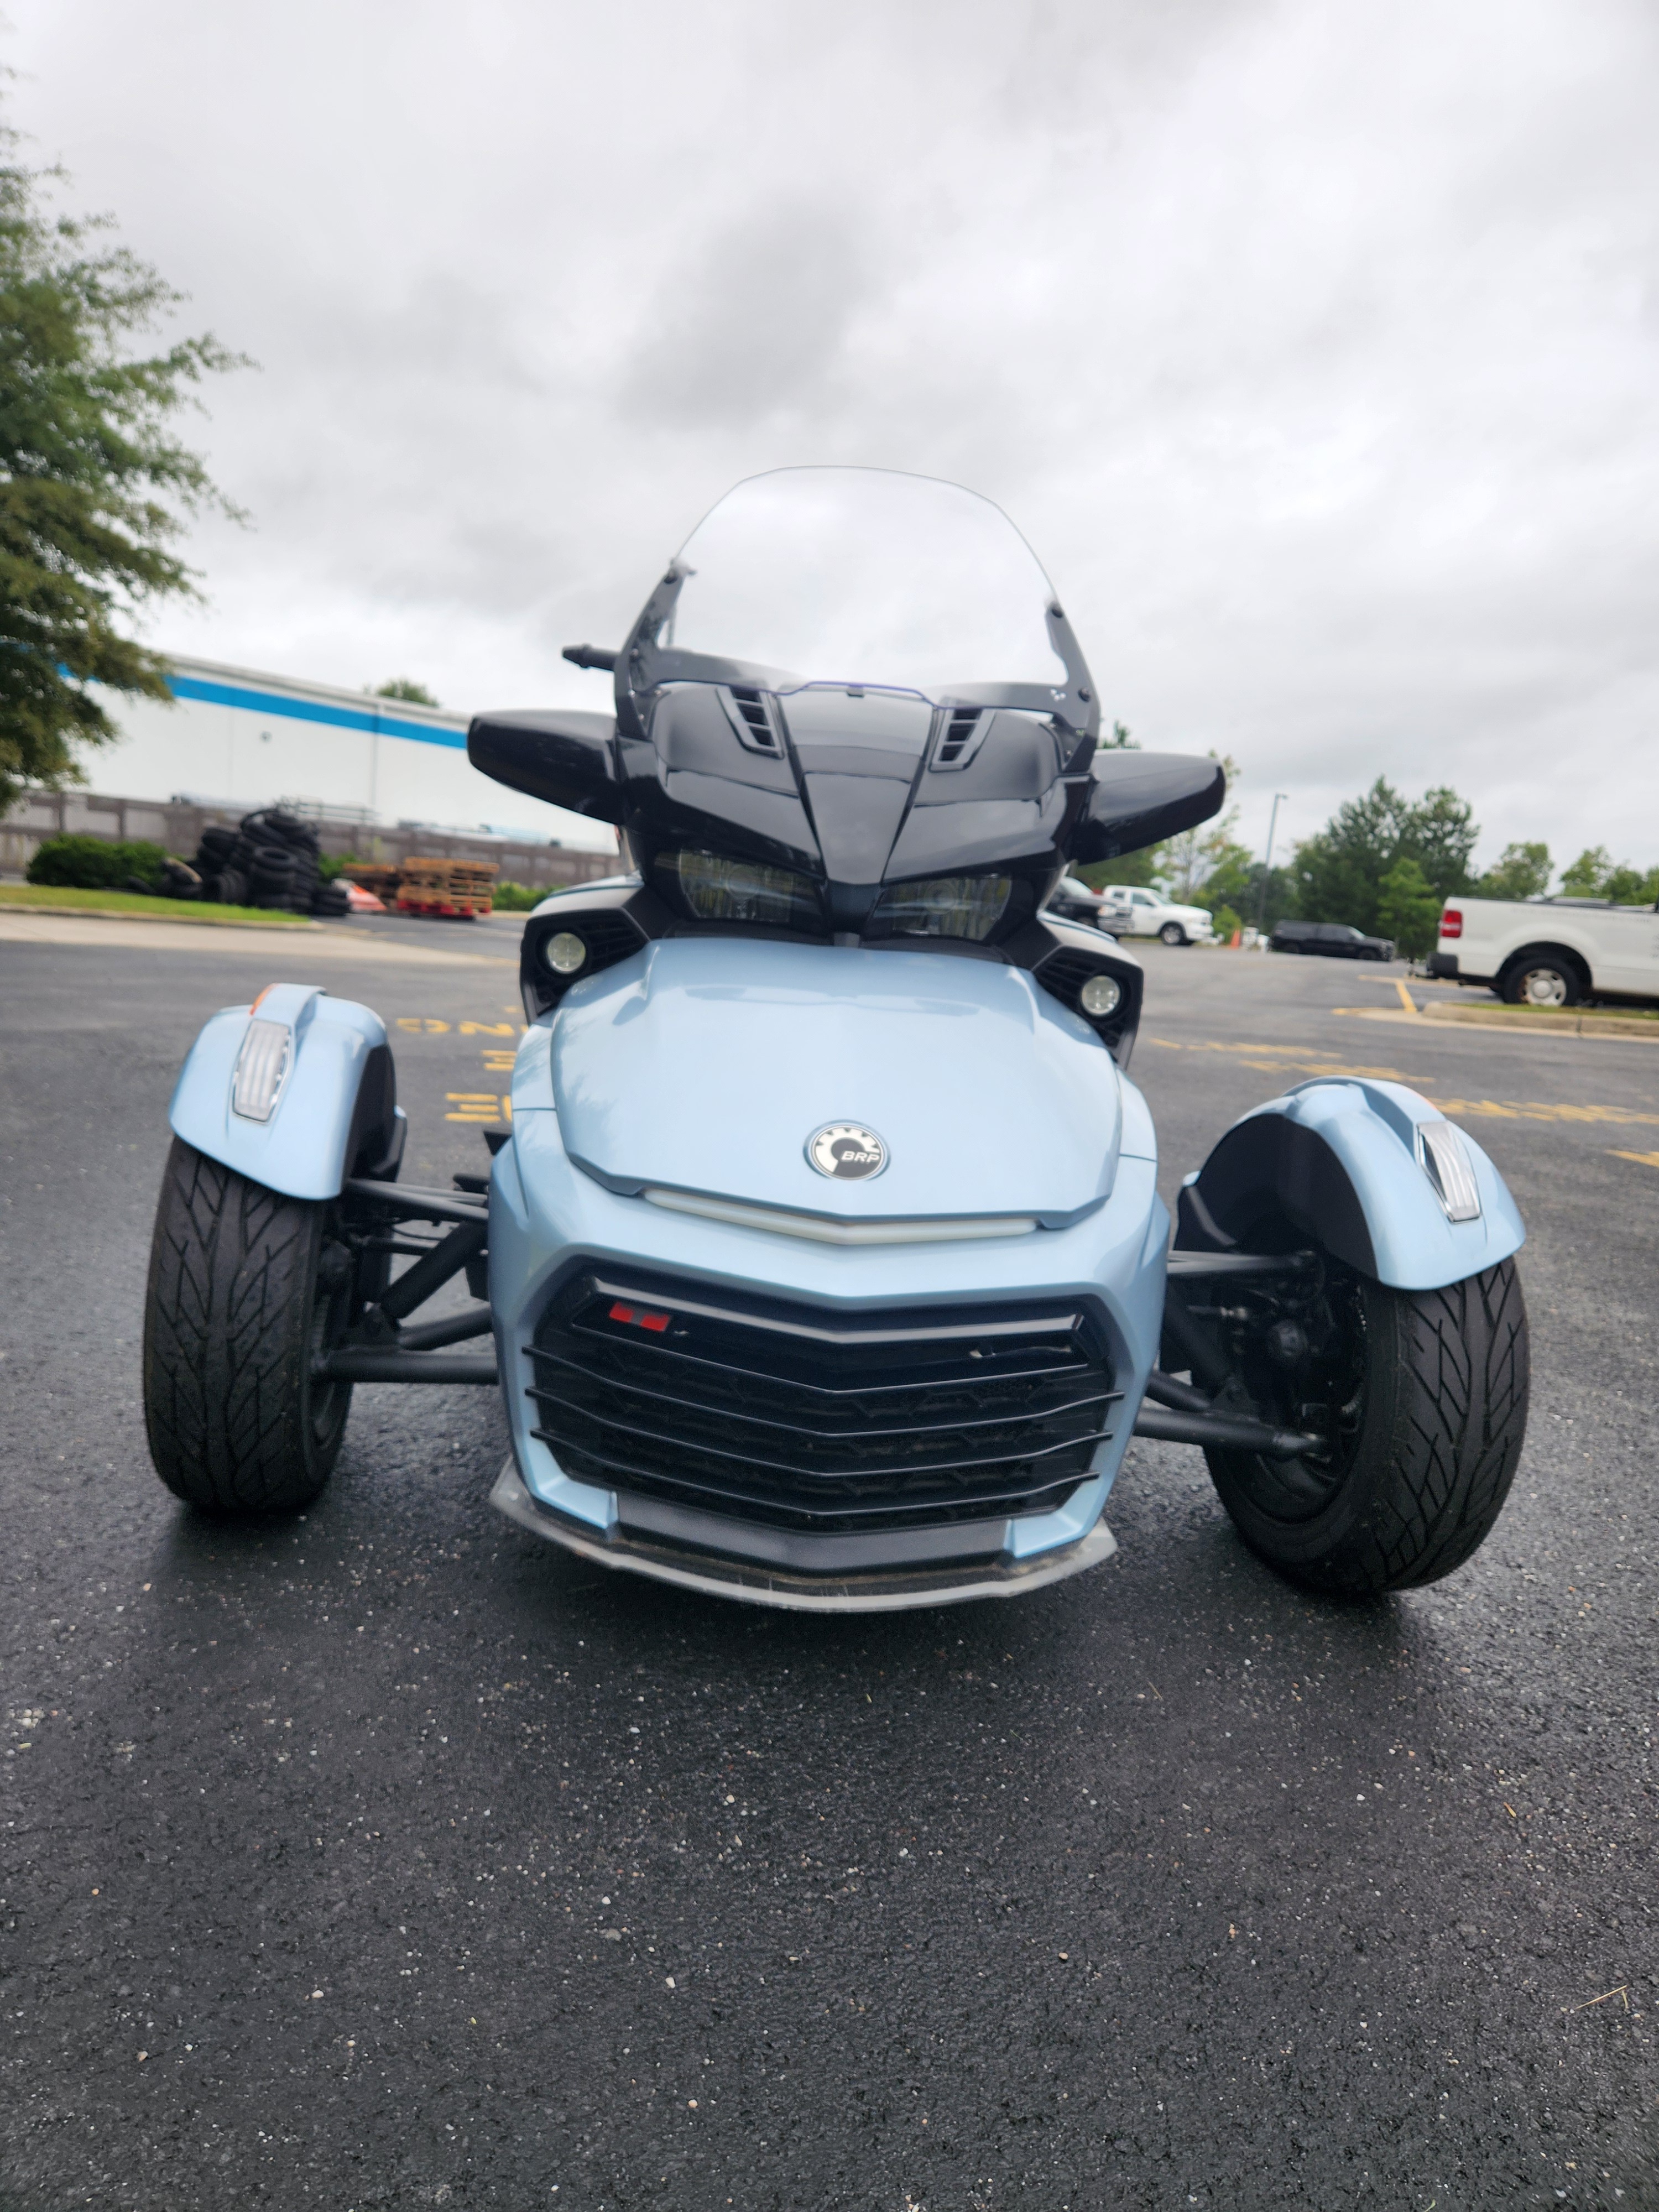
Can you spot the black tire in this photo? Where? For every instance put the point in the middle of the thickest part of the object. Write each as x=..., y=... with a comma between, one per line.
x=1542, y=979
x=244, y=1285
x=1426, y=1392
x=1172, y=934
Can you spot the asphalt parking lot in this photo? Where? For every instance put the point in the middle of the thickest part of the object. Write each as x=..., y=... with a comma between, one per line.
x=391, y=1857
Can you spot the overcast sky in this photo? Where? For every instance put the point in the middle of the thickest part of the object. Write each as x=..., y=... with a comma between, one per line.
x=1312, y=345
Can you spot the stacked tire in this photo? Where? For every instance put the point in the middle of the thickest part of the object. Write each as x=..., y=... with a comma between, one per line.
x=271, y=860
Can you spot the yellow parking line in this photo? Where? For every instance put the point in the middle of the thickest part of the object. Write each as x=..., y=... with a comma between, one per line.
x=1642, y=1159
x=1405, y=999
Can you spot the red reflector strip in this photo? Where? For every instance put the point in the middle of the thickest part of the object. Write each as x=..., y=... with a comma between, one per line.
x=638, y=1318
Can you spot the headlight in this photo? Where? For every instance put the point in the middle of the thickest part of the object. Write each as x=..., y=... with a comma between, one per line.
x=1100, y=995
x=717, y=889
x=945, y=906
x=564, y=953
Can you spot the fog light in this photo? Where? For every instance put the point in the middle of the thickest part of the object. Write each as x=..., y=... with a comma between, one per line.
x=1100, y=995
x=565, y=953
x=261, y=1068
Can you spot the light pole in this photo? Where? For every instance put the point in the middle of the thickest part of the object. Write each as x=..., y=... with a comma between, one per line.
x=1267, y=864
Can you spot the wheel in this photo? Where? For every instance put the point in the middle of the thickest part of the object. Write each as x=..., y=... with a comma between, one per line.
x=1172, y=933
x=1544, y=979
x=244, y=1287
x=1422, y=1395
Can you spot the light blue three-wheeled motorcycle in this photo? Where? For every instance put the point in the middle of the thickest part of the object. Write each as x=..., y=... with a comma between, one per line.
x=824, y=1262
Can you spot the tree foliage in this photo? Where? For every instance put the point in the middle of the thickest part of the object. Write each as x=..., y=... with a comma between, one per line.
x=1520, y=872
x=1408, y=908
x=1594, y=875
x=93, y=482
x=1338, y=873
x=1587, y=874
x=405, y=688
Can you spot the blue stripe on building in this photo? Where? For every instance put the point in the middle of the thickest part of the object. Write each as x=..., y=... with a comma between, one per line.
x=311, y=710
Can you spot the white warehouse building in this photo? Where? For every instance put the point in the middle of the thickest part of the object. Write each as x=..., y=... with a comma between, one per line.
x=236, y=739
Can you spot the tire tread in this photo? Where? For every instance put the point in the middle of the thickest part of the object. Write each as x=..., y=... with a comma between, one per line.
x=227, y=1341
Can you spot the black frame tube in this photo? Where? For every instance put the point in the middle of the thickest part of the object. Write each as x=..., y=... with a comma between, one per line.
x=362, y=1363
x=411, y=1204
x=459, y=1328
x=416, y=1284
x=1234, y=1431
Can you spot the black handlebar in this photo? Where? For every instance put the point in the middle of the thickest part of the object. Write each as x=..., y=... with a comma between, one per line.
x=590, y=656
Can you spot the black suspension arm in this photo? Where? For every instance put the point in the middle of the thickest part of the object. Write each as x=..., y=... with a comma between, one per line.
x=416, y=1284
x=368, y=1364
x=457, y=1329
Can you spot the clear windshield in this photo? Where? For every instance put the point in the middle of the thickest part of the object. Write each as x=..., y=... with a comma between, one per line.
x=865, y=576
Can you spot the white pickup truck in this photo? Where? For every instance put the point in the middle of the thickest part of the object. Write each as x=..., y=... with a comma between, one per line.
x=1128, y=910
x=1550, y=952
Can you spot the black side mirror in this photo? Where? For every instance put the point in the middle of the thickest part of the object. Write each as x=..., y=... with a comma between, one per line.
x=564, y=757
x=1139, y=798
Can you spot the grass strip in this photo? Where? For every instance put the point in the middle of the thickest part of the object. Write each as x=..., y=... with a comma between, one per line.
x=54, y=898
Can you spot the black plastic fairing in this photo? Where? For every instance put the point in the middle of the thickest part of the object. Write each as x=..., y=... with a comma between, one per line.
x=1139, y=798
x=565, y=758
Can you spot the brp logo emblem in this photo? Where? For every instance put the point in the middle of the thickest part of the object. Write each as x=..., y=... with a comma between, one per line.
x=846, y=1152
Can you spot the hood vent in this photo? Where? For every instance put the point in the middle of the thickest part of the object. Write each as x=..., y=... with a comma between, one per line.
x=747, y=708
x=961, y=729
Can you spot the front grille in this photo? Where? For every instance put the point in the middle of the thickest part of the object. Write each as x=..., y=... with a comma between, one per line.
x=780, y=1413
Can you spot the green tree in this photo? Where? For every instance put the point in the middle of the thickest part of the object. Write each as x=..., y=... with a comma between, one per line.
x=1520, y=872
x=405, y=688
x=92, y=478
x=1408, y=908
x=1439, y=834
x=1119, y=741
x=1337, y=874
x=1628, y=886
x=1234, y=870
x=1279, y=899
x=1585, y=878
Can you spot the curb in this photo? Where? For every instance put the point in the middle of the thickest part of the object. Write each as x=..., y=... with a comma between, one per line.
x=1547, y=1020
x=1604, y=1029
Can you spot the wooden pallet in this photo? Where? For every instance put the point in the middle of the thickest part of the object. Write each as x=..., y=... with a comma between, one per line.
x=461, y=888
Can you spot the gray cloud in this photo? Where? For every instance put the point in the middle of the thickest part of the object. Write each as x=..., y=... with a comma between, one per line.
x=1313, y=349
x=752, y=324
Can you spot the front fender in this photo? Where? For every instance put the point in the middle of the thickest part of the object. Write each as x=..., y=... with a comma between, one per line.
x=335, y=1113
x=1340, y=1161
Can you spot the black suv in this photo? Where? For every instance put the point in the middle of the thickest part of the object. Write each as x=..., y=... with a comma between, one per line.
x=1334, y=940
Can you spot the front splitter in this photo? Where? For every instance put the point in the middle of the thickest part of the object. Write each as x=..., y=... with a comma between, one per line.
x=896, y=1590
